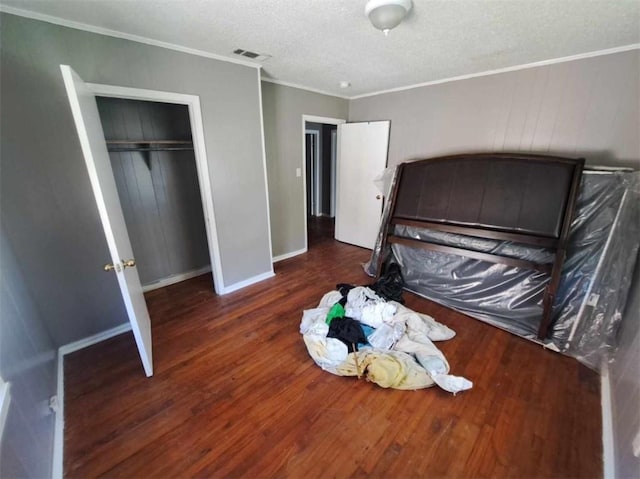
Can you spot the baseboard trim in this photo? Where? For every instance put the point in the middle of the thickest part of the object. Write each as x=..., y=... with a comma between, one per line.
x=58, y=441
x=288, y=255
x=175, y=278
x=247, y=282
x=57, y=471
x=58, y=435
x=608, y=455
x=91, y=340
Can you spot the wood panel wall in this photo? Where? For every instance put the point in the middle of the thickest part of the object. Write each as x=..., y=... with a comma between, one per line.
x=158, y=190
x=584, y=108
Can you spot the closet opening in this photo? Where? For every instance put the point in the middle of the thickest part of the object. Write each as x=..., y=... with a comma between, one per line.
x=320, y=142
x=151, y=151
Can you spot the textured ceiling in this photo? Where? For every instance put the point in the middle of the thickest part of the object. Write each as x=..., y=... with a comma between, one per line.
x=318, y=43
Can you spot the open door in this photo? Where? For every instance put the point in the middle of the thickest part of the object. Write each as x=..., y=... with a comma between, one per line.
x=94, y=149
x=362, y=155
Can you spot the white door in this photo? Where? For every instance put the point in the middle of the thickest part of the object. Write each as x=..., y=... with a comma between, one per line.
x=94, y=149
x=362, y=155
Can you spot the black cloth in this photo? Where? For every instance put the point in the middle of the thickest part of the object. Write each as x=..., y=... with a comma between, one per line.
x=343, y=289
x=347, y=330
x=389, y=285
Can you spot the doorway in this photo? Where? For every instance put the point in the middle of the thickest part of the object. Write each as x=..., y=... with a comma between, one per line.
x=150, y=146
x=319, y=164
x=84, y=109
x=196, y=127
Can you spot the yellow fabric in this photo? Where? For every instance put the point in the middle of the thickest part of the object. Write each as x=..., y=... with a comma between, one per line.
x=388, y=369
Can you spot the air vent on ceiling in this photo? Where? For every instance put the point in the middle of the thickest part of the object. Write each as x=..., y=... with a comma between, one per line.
x=260, y=57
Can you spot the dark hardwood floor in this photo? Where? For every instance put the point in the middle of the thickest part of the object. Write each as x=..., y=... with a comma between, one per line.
x=235, y=394
x=319, y=230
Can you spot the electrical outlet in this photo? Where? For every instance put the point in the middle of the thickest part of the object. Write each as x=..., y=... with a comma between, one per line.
x=636, y=444
x=298, y=172
x=53, y=403
x=5, y=399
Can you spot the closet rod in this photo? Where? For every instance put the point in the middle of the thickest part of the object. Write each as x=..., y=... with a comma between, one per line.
x=149, y=142
x=119, y=150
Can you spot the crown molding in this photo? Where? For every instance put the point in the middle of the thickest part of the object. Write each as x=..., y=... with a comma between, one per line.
x=302, y=87
x=525, y=66
x=125, y=36
x=214, y=56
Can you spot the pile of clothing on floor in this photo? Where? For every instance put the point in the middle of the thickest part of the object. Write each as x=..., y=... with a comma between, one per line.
x=366, y=331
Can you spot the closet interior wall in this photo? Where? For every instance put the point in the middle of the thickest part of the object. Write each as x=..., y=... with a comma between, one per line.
x=158, y=187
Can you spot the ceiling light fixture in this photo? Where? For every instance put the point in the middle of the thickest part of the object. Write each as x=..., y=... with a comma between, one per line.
x=387, y=14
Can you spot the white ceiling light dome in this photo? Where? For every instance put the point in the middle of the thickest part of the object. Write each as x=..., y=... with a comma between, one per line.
x=387, y=14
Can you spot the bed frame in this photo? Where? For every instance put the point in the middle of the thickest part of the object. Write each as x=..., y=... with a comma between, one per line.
x=523, y=198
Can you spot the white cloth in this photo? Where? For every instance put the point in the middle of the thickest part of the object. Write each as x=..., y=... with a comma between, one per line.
x=422, y=324
x=326, y=352
x=452, y=384
x=358, y=298
x=376, y=314
x=312, y=316
x=386, y=335
x=329, y=299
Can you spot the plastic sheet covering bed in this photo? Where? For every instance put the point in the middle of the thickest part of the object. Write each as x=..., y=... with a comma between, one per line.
x=596, y=275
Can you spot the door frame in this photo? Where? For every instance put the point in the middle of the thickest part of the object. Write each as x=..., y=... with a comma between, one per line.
x=312, y=119
x=334, y=166
x=199, y=150
x=316, y=197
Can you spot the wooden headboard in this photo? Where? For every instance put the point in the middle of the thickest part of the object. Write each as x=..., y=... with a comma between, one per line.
x=522, y=198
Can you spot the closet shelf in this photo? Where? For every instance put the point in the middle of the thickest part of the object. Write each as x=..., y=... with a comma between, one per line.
x=148, y=145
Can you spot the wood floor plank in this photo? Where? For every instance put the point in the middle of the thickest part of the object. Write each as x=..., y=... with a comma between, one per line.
x=235, y=394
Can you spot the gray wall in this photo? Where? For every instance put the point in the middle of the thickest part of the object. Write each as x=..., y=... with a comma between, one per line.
x=586, y=107
x=625, y=385
x=28, y=363
x=283, y=110
x=47, y=204
x=158, y=190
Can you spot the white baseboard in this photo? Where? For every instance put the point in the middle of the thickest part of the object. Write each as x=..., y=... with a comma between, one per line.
x=175, y=278
x=247, y=282
x=58, y=438
x=58, y=435
x=608, y=452
x=288, y=255
x=96, y=338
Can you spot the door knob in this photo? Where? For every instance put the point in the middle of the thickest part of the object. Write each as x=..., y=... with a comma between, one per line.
x=378, y=197
x=130, y=263
x=110, y=267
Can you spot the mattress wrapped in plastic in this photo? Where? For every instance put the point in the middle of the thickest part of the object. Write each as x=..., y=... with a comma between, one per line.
x=596, y=276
